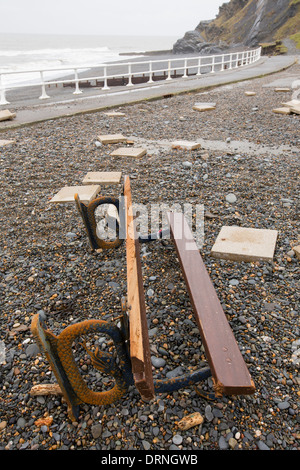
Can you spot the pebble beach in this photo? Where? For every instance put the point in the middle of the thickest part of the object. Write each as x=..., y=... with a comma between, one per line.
x=47, y=267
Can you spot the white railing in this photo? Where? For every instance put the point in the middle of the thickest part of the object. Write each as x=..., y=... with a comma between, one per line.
x=139, y=71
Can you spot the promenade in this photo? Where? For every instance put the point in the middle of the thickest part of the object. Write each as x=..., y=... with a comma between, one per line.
x=62, y=102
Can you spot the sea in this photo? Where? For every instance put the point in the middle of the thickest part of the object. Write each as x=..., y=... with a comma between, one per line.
x=31, y=52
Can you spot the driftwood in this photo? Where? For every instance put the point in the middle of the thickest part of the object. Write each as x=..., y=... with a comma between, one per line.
x=45, y=389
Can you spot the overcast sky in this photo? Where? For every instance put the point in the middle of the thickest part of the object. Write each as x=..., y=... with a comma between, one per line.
x=103, y=17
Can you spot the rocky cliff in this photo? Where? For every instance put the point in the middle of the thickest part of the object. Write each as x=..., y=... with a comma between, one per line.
x=243, y=22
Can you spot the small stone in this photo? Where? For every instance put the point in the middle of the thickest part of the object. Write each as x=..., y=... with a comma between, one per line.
x=96, y=431
x=234, y=282
x=223, y=444
x=157, y=361
x=231, y=198
x=187, y=164
x=177, y=439
x=146, y=445
x=232, y=442
x=3, y=425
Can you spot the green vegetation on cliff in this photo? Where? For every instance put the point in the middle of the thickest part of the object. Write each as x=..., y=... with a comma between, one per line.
x=254, y=21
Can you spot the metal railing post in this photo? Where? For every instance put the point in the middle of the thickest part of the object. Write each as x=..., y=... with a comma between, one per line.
x=105, y=87
x=129, y=76
x=44, y=95
x=213, y=64
x=185, y=69
x=3, y=99
x=169, y=71
x=199, y=66
x=222, y=63
x=150, y=73
x=77, y=89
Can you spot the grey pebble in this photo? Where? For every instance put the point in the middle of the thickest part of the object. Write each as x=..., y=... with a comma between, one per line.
x=177, y=439
x=158, y=361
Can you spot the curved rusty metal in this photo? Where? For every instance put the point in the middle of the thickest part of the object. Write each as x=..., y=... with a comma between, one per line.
x=92, y=206
x=58, y=350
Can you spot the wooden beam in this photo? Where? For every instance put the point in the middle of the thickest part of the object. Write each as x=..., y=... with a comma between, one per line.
x=229, y=371
x=138, y=328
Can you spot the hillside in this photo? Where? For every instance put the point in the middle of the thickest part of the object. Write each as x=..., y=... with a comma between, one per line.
x=244, y=22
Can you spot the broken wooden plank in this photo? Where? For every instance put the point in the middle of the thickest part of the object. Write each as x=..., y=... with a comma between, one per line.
x=139, y=339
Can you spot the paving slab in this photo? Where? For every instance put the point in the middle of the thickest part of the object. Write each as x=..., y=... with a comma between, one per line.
x=245, y=244
x=102, y=177
x=66, y=194
x=288, y=104
x=115, y=114
x=186, y=144
x=202, y=107
x=283, y=110
x=282, y=90
x=295, y=109
x=129, y=152
x=112, y=138
x=297, y=251
x=6, y=142
x=6, y=115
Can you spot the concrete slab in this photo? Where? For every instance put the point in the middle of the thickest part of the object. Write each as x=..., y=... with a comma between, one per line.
x=6, y=142
x=245, y=244
x=102, y=177
x=295, y=109
x=115, y=114
x=297, y=251
x=6, y=115
x=202, y=107
x=282, y=90
x=291, y=103
x=284, y=110
x=112, y=138
x=129, y=152
x=186, y=144
x=85, y=193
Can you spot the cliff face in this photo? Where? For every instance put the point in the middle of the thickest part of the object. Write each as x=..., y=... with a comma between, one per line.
x=243, y=22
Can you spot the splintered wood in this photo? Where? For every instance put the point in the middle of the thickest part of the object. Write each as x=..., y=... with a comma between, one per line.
x=139, y=340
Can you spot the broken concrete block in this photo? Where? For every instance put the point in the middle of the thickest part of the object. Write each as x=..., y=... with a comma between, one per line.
x=291, y=103
x=102, y=177
x=295, y=109
x=284, y=110
x=129, y=152
x=85, y=193
x=6, y=142
x=245, y=244
x=296, y=249
x=112, y=138
x=114, y=114
x=204, y=107
x=185, y=144
x=6, y=115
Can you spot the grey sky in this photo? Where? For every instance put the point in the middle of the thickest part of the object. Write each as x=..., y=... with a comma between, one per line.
x=102, y=17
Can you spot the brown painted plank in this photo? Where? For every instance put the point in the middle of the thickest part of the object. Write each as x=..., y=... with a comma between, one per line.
x=138, y=328
x=229, y=371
